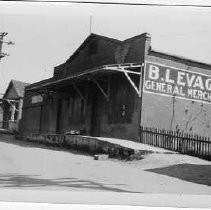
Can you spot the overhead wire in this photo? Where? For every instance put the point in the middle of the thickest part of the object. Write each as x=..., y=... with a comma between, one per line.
x=120, y=3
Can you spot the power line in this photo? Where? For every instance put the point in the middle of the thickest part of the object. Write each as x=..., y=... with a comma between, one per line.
x=119, y=3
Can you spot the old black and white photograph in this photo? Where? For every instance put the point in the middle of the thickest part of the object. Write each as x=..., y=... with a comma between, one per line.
x=109, y=97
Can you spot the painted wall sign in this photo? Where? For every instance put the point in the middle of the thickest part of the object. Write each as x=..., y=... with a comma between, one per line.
x=37, y=99
x=170, y=81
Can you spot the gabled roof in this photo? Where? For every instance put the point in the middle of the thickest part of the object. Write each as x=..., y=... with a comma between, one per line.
x=88, y=39
x=18, y=87
x=97, y=36
x=100, y=69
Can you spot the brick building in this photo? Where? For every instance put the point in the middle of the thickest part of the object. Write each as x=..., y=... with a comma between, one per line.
x=110, y=87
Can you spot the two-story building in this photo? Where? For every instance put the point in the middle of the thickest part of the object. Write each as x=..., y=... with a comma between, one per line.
x=110, y=87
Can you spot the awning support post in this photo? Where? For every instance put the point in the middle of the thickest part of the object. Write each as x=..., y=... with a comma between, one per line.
x=141, y=81
x=109, y=86
x=101, y=89
x=131, y=82
x=124, y=69
x=79, y=92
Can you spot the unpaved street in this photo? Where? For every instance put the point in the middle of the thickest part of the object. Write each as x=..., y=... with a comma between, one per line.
x=29, y=166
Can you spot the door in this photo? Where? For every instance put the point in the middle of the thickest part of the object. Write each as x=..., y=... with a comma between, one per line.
x=96, y=113
x=59, y=117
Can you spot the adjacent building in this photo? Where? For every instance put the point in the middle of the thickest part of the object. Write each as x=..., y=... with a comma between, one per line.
x=110, y=87
x=12, y=103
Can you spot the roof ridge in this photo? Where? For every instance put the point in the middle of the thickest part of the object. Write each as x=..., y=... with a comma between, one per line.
x=106, y=37
x=14, y=80
x=86, y=40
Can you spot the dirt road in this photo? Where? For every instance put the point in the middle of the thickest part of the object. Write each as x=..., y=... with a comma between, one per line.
x=29, y=166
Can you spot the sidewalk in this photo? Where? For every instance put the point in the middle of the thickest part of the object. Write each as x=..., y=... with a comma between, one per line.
x=134, y=145
x=23, y=165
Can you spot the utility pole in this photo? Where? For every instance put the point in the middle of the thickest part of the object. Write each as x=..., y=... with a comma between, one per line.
x=2, y=35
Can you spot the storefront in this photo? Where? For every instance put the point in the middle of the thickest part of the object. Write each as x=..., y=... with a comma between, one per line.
x=110, y=87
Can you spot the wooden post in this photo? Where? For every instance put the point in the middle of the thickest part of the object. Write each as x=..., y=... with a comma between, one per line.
x=141, y=95
x=12, y=118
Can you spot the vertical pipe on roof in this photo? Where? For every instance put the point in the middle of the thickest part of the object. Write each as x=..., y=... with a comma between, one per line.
x=90, y=24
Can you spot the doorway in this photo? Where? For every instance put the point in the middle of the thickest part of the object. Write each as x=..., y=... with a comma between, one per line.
x=59, y=117
x=96, y=113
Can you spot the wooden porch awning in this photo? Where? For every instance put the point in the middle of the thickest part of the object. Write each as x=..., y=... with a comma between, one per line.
x=93, y=75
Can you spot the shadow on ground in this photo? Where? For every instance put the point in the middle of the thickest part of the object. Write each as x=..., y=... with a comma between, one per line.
x=199, y=174
x=24, y=181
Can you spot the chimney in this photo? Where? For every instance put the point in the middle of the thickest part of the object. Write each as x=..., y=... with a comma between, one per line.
x=147, y=44
x=134, y=49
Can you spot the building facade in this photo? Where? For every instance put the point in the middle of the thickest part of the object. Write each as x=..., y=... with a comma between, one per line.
x=110, y=87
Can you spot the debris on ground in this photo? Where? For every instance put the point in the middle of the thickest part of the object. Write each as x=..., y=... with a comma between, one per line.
x=139, y=155
x=101, y=157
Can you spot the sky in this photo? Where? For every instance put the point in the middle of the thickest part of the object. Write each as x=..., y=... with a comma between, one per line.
x=47, y=34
